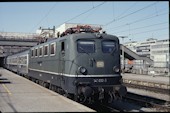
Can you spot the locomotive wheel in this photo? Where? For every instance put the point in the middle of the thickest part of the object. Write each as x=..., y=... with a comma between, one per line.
x=65, y=94
x=82, y=98
x=70, y=96
x=108, y=98
x=37, y=81
x=75, y=98
x=46, y=85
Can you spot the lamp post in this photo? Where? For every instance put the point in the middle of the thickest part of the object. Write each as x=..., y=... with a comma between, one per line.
x=123, y=61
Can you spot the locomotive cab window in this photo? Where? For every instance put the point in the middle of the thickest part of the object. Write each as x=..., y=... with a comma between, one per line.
x=85, y=46
x=108, y=46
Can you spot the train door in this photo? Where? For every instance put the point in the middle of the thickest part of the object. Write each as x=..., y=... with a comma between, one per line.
x=62, y=57
x=62, y=64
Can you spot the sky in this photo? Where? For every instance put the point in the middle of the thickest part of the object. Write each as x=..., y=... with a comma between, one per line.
x=136, y=20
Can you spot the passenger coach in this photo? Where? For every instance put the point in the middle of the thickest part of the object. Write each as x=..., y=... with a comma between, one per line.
x=18, y=63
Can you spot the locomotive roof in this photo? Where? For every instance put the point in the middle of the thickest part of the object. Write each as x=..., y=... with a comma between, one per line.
x=71, y=36
x=78, y=36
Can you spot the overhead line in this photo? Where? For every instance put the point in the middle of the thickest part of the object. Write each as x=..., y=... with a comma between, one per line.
x=85, y=18
x=149, y=31
x=161, y=35
x=84, y=12
x=152, y=30
x=44, y=16
x=142, y=27
x=150, y=16
x=127, y=9
x=122, y=13
x=131, y=13
x=156, y=15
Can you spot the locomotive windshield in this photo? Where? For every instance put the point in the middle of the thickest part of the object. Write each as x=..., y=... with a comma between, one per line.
x=108, y=46
x=85, y=46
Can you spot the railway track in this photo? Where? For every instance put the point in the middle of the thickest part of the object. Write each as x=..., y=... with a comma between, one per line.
x=133, y=102
x=159, y=105
x=99, y=107
x=154, y=87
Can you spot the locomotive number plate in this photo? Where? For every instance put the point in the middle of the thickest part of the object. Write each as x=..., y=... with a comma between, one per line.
x=100, y=80
x=100, y=64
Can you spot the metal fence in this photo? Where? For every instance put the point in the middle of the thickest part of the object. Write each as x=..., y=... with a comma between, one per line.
x=158, y=68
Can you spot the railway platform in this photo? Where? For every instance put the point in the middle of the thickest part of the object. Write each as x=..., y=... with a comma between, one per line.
x=18, y=94
x=147, y=78
x=159, y=82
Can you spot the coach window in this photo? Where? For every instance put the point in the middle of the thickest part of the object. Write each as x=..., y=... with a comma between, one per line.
x=40, y=51
x=36, y=52
x=108, y=46
x=52, y=49
x=46, y=50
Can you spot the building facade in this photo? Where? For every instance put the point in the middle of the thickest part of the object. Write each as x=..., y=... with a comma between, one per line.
x=160, y=53
x=157, y=50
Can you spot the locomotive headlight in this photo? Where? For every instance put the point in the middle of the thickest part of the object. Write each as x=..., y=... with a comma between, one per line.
x=82, y=70
x=116, y=69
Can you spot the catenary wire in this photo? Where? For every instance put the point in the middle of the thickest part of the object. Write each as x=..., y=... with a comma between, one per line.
x=141, y=27
x=83, y=13
x=139, y=20
x=114, y=20
x=44, y=16
x=131, y=13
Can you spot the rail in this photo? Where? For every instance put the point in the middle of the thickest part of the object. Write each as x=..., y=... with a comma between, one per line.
x=159, y=105
x=151, y=86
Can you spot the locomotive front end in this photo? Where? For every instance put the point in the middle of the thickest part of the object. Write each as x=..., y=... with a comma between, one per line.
x=97, y=68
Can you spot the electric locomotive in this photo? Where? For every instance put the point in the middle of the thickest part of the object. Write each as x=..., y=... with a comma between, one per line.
x=83, y=66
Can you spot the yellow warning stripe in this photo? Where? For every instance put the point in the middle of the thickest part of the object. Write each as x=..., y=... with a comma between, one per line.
x=6, y=89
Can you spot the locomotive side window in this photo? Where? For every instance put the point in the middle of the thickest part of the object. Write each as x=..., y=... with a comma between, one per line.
x=32, y=53
x=46, y=50
x=62, y=46
x=36, y=52
x=40, y=51
x=85, y=46
x=52, y=49
x=108, y=46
